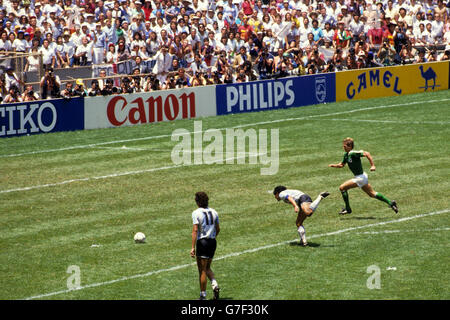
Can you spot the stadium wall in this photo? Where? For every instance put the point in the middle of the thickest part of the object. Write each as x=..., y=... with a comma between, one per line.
x=133, y=109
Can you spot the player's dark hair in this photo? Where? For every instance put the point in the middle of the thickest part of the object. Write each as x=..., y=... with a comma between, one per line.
x=278, y=189
x=202, y=199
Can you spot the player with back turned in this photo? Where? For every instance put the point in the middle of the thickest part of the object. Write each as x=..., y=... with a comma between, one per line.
x=204, y=232
x=353, y=159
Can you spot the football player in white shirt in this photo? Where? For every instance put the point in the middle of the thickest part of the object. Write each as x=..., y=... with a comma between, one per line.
x=204, y=232
x=303, y=206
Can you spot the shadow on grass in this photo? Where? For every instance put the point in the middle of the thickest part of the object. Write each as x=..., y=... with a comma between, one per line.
x=360, y=218
x=310, y=244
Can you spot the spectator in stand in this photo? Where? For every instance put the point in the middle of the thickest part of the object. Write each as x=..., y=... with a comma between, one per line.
x=50, y=85
x=163, y=64
x=362, y=47
x=68, y=92
x=5, y=47
x=94, y=90
x=33, y=63
x=356, y=28
x=83, y=54
x=99, y=44
x=446, y=55
x=389, y=33
x=386, y=53
x=13, y=95
x=60, y=54
x=214, y=33
x=11, y=79
x=376, y=36
x=122, y=50
x=79, y=89
x=317, y=33
x=342, y=36
x=29, y=94
x=182, y=79
x=69, y=50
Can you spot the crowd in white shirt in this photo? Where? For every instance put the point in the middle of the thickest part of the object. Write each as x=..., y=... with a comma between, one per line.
x=223, y=41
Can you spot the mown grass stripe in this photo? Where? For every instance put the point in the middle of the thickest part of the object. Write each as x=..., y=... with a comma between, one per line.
x=234, y=127
x=235, y=254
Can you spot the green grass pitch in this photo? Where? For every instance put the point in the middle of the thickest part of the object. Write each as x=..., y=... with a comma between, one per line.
x=62, y=193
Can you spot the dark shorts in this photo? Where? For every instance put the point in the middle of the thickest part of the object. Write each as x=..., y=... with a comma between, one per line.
x=303, y=198
x=206, y=248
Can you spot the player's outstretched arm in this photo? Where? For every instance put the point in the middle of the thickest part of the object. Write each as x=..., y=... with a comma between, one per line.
x=292, y=201
x=369, y=157
x=337, y=165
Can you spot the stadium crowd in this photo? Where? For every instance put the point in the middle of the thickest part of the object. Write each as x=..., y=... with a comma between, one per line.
x=201, y=42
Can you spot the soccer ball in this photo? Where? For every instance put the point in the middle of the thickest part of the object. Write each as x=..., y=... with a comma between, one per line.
x=139, y=237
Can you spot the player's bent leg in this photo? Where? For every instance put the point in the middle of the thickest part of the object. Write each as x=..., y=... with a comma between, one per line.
x=199, y=266
x=300, y=218
x=300, y=229
x=349, y=184
x=377, y=195
x=211, y=277
x=313, y=205
x=209, y=272
x=306, y=208
x=369, y=190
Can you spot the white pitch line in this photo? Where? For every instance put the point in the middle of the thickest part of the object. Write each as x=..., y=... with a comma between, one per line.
x=121, y=174
x=142, y=275
x=403, y=231
x=388, y=121
x=124, y=148
x=235, y=127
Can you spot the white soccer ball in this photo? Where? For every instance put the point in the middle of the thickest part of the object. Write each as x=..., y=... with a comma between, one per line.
x=139, y=237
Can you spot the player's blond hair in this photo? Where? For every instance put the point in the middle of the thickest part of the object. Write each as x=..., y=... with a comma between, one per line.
x=348, y=142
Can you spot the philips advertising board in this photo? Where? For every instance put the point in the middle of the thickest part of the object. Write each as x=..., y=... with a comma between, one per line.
x=275, y=94
x=41, y=116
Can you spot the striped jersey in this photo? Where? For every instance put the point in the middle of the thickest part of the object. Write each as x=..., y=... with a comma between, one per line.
x=295, y=194
x=207, y=219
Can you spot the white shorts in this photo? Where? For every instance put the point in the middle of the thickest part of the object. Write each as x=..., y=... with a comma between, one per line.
x=361, y=180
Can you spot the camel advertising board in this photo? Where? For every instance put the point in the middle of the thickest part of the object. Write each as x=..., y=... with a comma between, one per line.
x=392, y=81
x=149, y=107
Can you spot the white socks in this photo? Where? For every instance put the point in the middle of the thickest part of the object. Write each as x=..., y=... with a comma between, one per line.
x=316, y=202
x=301, y=231
x=214, y=283
x=203, y=293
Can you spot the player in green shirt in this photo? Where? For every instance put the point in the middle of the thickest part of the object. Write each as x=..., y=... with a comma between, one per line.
x=353, y=159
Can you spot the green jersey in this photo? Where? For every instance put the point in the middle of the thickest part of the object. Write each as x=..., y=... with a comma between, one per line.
x=353, y=159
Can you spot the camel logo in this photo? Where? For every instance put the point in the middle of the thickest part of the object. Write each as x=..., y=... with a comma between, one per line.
x=428, y=75
x=321, y=89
